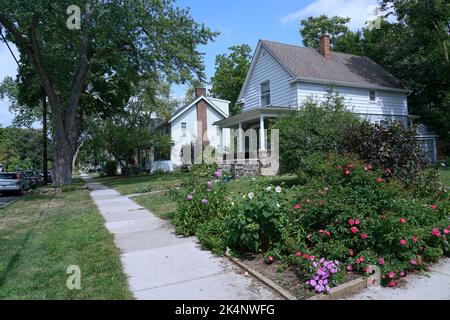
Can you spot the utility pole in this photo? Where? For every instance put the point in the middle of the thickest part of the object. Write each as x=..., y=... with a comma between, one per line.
x=44, y=139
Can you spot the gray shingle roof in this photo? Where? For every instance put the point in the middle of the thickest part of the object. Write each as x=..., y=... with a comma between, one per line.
x=340, y=67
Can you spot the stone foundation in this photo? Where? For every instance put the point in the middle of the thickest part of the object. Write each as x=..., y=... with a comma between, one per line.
x=247, y=168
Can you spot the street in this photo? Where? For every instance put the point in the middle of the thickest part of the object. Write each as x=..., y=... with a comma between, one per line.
x=4, y=200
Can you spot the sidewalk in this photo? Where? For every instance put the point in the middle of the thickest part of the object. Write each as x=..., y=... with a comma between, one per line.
x=434, y=285
x=160, y=265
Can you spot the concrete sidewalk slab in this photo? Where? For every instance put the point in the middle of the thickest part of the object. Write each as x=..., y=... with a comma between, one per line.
x=160, y=265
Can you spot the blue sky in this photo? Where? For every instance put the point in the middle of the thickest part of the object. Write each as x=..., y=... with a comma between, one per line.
x=239, y=21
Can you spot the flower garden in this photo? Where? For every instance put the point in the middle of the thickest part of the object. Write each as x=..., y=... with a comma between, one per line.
x=363, y=200
x=348, y=220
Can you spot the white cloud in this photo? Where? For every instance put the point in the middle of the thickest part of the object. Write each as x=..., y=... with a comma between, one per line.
x=358, y=10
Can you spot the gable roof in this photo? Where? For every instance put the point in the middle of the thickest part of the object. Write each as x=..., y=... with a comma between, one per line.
x=185, y=108
x=307, y=64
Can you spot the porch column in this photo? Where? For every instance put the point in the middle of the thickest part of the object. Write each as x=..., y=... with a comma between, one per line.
x=240, y=138
x=262, y=137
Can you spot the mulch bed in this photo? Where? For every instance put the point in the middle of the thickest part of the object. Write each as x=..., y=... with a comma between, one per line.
x=288, y=277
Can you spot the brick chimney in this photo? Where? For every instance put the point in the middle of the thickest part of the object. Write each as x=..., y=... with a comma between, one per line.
x=202, y=117
x=325, y=45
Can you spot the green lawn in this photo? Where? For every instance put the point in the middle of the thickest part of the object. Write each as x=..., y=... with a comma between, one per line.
x=42, y=235
x=160, y=204
x=143, y=184
x=444, y=174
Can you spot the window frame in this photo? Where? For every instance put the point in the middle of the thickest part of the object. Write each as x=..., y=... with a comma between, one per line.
x=183, y=126
x=265, y=94
x=375, y=96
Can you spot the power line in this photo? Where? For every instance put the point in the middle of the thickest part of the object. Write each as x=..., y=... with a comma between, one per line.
x=10, y=50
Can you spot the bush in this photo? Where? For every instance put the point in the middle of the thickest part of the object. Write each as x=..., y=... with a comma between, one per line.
x=359, y=215
x=201, y=199
x=387, y=145
x=110, y=168
x=256, y=222
x=316, y=128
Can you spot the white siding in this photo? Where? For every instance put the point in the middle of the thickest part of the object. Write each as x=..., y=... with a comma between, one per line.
x=389, y=104
x=190, y=117
x=282, y=93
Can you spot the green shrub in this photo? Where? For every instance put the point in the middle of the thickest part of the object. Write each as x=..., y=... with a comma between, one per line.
x=387, y=145
x=212, y=235
x=257, y=222
x=110, y=168
x=316, y=128
x=201, y=198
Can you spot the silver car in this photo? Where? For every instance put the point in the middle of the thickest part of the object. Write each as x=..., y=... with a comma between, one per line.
x=12, y=183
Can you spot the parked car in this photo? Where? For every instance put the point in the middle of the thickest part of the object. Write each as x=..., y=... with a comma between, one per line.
x=13, y=182
x=49, y=176
x=33, y=177
x=26, y=181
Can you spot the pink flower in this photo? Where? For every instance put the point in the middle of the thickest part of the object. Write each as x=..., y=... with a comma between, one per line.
x=368, y=167
x=402, y=220
x=357, y=222
x=414, y=239
x=347, y=172
x=270, y=259
x=402, y=274
x=328, y=233
x=349, y=166
x=388, y=171
x=392, y=284
x=351, y=222
x=298, y=254
x=446, y=231
x=391, y=275
x=349, y=268
x=298, y=206
x=403, y=242
x=434, y=207
x=320, y=231
x=379, y=180
x=312, y=258
x=364, y=236
x=189, y=197
x=436, y=232
x=413, y=262
x=354, y=229
x=381, y=261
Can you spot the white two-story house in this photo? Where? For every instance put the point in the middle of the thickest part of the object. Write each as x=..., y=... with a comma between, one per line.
x=281, y=77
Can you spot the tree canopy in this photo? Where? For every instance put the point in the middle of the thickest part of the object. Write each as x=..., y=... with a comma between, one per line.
x=231, y=71
x=96, y=64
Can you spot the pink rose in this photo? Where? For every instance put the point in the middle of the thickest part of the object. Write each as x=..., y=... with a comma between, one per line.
x=381, y=261
x=391, y=275
x=364, y=236
x=357, y=222
x=436, y=232
x=354, y=230
x=392, y=284
x=414, y=239
x=402, y=220
x=434, y=207
x=351, y=222
x=446, y=231
x=349, y=268
x=403, y=242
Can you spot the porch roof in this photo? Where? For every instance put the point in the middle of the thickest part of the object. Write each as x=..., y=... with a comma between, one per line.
x=253, y=115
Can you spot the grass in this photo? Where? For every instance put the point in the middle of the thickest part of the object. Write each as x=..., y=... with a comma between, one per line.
x=143, y=184
x=161, y=204
x=42, y=235
x=444, y=175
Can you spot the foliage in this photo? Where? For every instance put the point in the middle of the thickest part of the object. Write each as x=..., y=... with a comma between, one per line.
x=358, y=216
x=110, y=168
x=256, y=222
x=313, y=129
x=313, y=27
x=231, y=71
x=20, y=148
x=389, y=146
x=202, y=198
x=115, y=45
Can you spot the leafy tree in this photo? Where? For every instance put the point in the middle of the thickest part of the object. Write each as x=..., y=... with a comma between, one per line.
x=116, y=40
x=189, y=96
x=231, y=71
x=312, y=27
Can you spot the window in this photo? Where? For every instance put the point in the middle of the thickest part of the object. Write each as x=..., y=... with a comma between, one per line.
x=265, y=93
x=183, y=129
x=373, y=95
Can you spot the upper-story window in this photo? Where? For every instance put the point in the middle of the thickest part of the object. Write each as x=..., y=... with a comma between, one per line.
x=265, y=93
x=183, y=129
x=373, y=95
